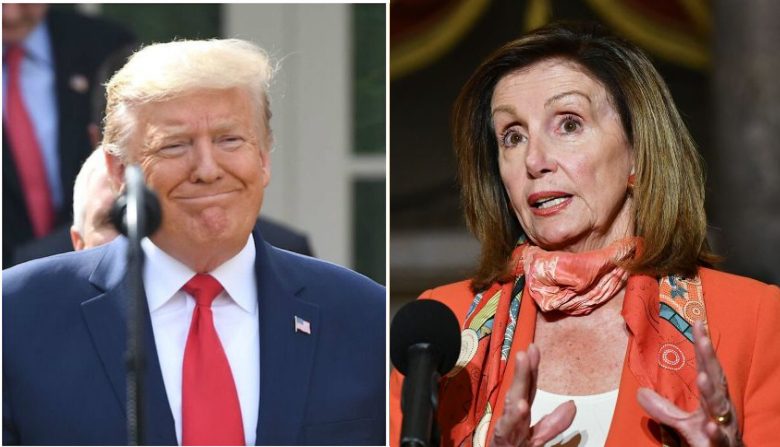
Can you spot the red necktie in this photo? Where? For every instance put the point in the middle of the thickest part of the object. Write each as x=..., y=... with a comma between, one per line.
x=211, y=413
x=25, y=150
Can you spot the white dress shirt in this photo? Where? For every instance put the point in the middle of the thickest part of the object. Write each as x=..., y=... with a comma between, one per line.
x=235, y=319
x=591, y=423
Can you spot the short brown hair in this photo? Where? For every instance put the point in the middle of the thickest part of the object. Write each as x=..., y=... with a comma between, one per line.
x=669, y=187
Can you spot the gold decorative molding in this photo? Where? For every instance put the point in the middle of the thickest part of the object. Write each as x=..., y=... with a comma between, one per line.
x=689, y=49
x=439, y=38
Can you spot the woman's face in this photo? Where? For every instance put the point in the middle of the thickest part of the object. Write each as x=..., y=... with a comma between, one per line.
x=563, y=156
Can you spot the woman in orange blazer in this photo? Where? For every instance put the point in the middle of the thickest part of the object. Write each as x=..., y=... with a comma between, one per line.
x=593, y=318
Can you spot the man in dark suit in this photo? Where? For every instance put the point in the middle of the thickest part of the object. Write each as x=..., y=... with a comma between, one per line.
x=61, y=55
x=245, y=343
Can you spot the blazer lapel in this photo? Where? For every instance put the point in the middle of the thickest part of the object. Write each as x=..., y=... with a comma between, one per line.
x=105, y=316
x=286, y=355
x=623, y=428
x=714, y=331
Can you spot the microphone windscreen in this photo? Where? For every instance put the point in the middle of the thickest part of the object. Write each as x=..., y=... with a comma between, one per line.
x=425, y=321
x=153, y=212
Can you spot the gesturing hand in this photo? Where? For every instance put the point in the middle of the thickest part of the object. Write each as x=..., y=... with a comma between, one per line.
x=714, y=422
x=514, y=427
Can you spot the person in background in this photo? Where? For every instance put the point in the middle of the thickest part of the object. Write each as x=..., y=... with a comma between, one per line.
x=50, y=62
x=595, y=316
x=246, y=344
x=92, y=200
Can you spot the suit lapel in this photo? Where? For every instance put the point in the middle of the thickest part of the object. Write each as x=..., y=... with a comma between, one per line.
x=105, y=316
x=714, y=331
x=627, y=412
x=623, y=428
x=286, y=356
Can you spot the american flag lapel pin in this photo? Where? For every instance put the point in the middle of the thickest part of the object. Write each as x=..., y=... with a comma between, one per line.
x=302, y=325
x=79, y=83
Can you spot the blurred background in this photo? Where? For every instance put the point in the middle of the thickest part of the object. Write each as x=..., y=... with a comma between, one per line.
x=328, y=104
x=718, y=57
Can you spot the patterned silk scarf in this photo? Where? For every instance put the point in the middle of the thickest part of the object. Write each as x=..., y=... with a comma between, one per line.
x=659, y=315
x=575, y=283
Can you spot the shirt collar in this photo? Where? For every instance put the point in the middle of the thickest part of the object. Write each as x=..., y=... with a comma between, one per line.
x=236, y=275
x=37, y=45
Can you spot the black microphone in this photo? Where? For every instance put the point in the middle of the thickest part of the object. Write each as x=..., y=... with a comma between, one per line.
x=146, y=202
x=136, y=214
x=424, y=345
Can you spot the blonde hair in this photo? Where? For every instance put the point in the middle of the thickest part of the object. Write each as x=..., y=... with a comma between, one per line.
x=669, y=189
x=164, y=71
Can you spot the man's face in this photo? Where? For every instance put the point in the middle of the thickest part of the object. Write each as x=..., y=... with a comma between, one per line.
x=98, y=229
x=20, y=19
x=204, y=154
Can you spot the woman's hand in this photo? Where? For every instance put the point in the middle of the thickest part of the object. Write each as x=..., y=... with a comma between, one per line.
x=514, y=427
x=714, y=423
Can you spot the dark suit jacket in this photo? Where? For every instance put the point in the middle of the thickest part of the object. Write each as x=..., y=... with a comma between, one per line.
x=58, y=241
x=64, y=338
x=80, y=45
x=282, y=236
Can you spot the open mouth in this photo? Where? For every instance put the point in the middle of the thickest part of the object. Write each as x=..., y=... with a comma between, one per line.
x=547, y=200
x=549, y=203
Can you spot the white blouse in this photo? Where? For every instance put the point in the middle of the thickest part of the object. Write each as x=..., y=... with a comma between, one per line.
x=590, y=425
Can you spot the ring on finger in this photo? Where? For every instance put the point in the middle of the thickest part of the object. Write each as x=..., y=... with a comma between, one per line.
x=725, y=417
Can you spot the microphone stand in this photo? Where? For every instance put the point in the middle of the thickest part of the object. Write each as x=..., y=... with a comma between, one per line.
x=420, y=396
x=424, y=345
x=136, y=224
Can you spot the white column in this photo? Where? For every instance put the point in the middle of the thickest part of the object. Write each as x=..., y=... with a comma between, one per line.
x=312, y=122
